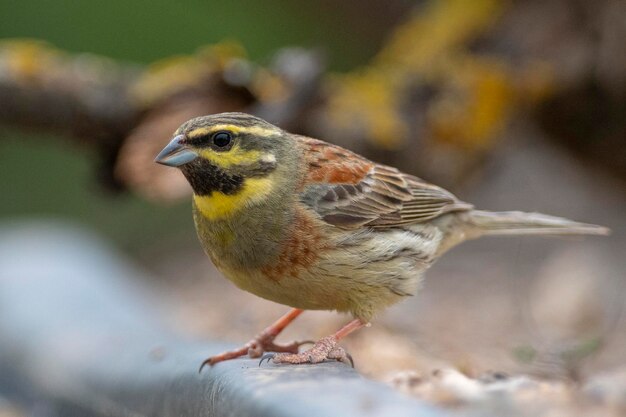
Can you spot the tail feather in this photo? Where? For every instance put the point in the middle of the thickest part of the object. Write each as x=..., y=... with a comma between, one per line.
x=520, y=223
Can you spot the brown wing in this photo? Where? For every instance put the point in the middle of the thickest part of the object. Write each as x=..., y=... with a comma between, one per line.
x=349, y=191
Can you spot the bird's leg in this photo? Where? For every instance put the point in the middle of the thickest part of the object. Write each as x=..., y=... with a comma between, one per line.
x=325, y=348
x=262, y=342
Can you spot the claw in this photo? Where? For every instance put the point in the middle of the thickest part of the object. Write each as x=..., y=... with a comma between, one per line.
x=340, y=355
x=347, y=359
x=269, y=356
x=203, y=364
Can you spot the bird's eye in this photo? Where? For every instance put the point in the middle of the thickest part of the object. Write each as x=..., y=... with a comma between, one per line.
x=222, y=139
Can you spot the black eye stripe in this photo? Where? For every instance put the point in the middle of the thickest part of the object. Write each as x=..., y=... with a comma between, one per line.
x=219, y=141
x=199, y=140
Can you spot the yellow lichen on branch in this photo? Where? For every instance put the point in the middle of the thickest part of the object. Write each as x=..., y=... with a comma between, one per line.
x=169, y=76
x=472, y=96
x=24, y=59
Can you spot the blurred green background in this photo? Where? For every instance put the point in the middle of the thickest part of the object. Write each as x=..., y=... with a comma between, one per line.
x=43, y=177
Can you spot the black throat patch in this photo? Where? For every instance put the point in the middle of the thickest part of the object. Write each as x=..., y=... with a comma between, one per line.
x=205, y=178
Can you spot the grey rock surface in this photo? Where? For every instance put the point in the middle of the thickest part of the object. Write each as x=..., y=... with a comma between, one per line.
x=80, y=337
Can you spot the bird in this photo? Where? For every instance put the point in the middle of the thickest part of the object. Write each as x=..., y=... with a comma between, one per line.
x=314, y=226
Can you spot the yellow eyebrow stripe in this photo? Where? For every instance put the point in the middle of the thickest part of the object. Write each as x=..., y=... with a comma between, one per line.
x=218, y=205
x=253, y=130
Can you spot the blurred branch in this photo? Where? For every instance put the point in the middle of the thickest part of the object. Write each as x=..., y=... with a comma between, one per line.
x=84, y=96
x=434, y=101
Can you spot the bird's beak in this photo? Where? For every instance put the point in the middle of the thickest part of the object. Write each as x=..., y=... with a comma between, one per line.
x=175, y=153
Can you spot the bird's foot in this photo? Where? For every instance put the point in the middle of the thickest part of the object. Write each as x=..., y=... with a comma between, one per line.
x=323, y=349
x=264, y=342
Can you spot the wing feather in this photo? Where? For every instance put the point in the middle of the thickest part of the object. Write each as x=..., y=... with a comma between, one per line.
x=349, y=191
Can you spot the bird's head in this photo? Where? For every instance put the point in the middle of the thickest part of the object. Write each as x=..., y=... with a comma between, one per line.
x=230, y=156
x=220, y=152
